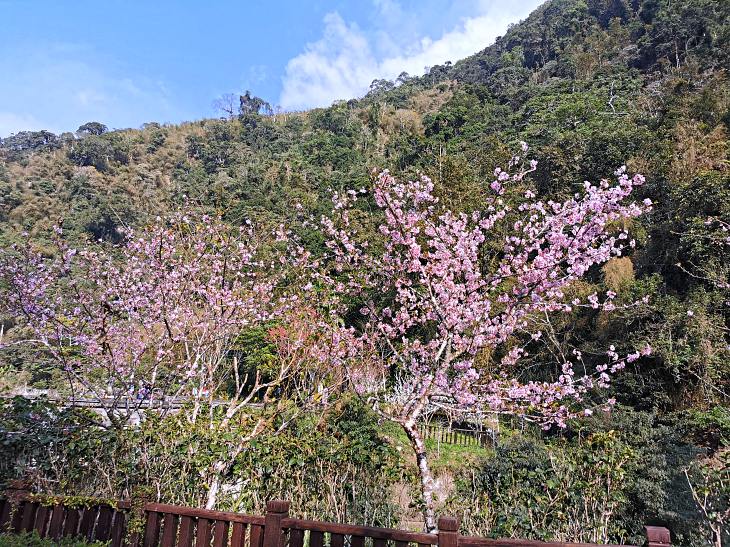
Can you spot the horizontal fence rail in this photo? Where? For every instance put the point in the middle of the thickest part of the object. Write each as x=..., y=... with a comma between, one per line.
x=147, y=402
x=319, y=534
x=163, y=525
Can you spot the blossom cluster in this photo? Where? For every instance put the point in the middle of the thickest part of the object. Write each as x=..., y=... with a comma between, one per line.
x=460, y=283
x=160, y=313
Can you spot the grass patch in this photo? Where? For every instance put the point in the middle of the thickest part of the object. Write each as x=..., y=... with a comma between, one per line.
x=442, y=457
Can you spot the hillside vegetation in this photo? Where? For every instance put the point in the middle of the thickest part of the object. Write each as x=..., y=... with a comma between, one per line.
x=590, y=85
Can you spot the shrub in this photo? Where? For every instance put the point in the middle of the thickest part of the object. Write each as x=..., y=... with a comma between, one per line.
x=34, y=540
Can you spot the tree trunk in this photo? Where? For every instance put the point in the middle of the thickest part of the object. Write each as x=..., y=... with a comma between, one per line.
x=717, y=533
x=424, y=472
x=215, y=484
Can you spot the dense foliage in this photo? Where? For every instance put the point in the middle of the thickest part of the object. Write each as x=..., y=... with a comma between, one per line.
x=34, y=540
x=605, y=479
x=590, y=85
x=335, y=465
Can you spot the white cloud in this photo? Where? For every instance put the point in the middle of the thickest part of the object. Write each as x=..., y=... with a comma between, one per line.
x=344, y=61
x=335, y=67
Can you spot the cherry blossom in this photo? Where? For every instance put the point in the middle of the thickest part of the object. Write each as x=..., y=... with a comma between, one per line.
x=445, y=287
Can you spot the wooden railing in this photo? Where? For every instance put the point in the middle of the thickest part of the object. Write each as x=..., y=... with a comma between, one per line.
x=319, y=534
x=161, y=525
x=171, y=525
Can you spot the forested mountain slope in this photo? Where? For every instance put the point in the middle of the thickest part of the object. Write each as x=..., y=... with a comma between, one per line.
x=590, y=85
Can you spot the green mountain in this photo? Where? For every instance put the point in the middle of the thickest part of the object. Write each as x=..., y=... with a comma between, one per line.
x=589, y=84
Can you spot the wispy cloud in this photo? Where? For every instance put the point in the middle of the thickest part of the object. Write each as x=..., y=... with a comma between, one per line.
x=11, y=122
x=60, y=86
x=347, y=58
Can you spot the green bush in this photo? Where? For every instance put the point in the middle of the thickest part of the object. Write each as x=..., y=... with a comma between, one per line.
x=601, y=480
x=332, y=465
x=34, y=540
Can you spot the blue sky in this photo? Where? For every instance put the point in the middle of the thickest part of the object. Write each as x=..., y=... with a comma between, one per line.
x=128, y=62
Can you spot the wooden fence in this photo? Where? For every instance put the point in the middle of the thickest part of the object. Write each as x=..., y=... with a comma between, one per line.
x=21, y=512
x=161, y=525
x=452, y=435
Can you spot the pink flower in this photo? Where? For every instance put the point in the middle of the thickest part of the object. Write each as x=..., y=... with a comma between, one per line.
x=445, y=305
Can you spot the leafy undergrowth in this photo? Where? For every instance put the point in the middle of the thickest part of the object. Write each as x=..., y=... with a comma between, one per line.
x=34, y=540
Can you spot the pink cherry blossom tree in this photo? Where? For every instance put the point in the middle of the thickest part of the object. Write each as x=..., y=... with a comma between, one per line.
x=159, y=319
x=451, y=300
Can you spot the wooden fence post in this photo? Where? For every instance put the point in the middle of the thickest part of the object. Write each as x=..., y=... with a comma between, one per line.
x=16, y=506
x=275, y=511
x=448, y=532
x=657, y=536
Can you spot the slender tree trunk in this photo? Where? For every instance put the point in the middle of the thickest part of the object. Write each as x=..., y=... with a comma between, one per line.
x=717, y=533
x=215, y=483
x=428, y=484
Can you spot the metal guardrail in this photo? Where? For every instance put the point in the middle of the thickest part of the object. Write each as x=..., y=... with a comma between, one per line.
x=125, y=403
